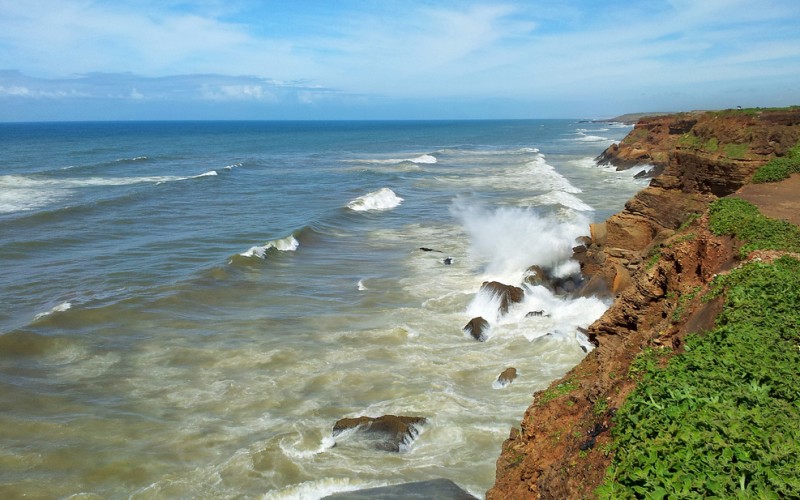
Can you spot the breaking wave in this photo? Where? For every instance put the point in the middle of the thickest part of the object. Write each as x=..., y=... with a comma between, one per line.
x=383, y=199
x=287, y=244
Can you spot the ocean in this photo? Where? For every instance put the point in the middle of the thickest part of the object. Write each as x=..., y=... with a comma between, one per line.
x=187, y=308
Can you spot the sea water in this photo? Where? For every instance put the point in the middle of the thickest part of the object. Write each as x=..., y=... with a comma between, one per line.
x=186, y=308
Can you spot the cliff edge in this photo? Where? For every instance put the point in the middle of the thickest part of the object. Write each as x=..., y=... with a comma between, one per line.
x=657, y=256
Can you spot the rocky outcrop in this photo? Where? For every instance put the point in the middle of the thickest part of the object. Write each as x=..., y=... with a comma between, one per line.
x=440, y=489
x=388, y=433
x=507, y=376
x=656, y=256
x=477, y=328
x=507, y=294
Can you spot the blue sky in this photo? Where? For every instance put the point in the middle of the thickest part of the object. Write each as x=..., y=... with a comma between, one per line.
x=392, y=59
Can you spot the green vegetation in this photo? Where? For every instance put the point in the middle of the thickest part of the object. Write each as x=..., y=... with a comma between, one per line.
x=720, y=419
x=736, y=217
x=781, y=168
x=564, y=387
x=736, y=150
x=684, y=299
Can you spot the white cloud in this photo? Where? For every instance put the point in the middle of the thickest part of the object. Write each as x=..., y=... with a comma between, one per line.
x=576, y=50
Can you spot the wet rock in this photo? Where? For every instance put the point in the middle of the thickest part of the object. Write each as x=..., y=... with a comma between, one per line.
x=532, y=314
x=508, y=294
x=441, y=489
x=538, y=276
x=447, y=261
x=478, y=328
x=387, y=433
x=507, y=376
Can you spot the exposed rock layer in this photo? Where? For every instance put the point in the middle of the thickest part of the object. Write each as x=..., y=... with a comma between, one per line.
x=654, y=256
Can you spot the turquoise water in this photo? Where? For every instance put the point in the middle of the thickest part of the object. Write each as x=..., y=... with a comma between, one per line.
x=188, y=307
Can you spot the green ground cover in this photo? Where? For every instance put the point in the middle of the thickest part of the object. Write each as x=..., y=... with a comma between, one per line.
x=780, y=168
x=721, y=419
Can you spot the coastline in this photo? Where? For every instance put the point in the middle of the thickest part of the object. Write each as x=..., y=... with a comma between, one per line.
x=655, y=255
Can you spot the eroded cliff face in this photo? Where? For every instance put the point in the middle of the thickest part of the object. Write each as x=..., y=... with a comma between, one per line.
x=656, y=255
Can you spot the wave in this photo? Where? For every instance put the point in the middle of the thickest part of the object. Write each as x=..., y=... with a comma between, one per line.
x=421, y=159
x=287, y=244
x=131, y=160
x=64, y=306
x=383, y=199
x=20, y=193
x=564, y=199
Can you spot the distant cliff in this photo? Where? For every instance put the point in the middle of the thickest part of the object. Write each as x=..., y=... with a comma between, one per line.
x=655, y=256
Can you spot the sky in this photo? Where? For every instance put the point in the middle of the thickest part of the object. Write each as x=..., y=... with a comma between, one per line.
x=392, y=59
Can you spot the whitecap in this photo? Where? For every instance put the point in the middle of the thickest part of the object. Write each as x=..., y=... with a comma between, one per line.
x=287, y=244
x=362, y=286
x=383, y=199
x=64, y=306
x=428, y=159
x=564, y=199
x=421, y=159
x=210, y=173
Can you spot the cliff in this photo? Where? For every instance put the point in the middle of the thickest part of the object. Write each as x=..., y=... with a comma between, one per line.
x=657, y=256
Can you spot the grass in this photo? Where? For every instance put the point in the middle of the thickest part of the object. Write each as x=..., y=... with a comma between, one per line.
x=559, y=390
x=720, y=419
x=741, y=219
x=780, y=168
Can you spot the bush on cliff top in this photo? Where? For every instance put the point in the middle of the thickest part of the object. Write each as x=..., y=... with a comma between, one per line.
x=781, y=168
x=721, y=419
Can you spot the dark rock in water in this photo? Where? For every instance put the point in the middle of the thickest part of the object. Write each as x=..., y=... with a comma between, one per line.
x=508, y=376
x=534, y=313
x=426, y=249
x=388, y=432
x=448, y=261
x=440, y=489
x=508, y=294
x=478, y=328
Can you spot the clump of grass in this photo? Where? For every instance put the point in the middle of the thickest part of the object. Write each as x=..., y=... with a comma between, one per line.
x=552, y=393
x=720, y=420
x=780, y=168
x=741, y=219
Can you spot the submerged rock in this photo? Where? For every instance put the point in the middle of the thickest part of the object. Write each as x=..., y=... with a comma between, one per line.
x=387, y=433
x=478, y=328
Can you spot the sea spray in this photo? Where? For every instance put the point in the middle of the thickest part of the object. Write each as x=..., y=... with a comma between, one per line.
x=508, y=240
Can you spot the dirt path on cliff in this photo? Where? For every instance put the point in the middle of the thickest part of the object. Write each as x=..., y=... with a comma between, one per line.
x=779, y=200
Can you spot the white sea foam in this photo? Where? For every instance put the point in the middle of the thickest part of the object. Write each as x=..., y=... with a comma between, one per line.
x=383, y=199
x=362, y=286
x=64, y=306
x=232, y=166
x=210, y=173
x=287, y=244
